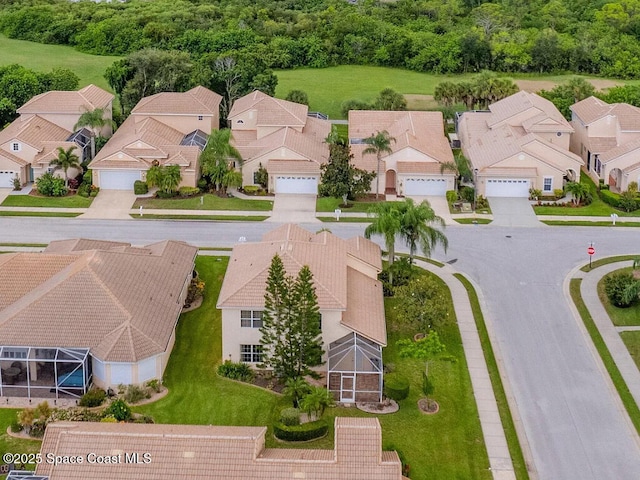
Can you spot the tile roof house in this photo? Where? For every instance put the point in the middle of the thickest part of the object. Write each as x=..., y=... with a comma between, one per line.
x=167, y=128
x=520, y=143
x=88, y=311
x=279, y=135
x=349, y=297
x=47, y=122
x=607, y=138
x=420, y=148
x=212, y=452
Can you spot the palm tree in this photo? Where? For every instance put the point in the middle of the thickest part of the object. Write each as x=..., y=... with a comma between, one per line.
x=296, y=388
x=171, y=178
x=94, y=119
x=460, y=167
x=577, y=190
x=66, y=159
x=419, y=228
x=378, y=144
x=232, y=178
x=215, y=159
x=386, y=222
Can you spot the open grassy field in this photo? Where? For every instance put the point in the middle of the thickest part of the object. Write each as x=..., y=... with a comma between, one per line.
x=43, y=58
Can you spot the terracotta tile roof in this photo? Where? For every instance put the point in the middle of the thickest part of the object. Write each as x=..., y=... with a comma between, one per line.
x=197, y=101
x=422, y=168
x=210, y=452
x=271, y=111
x=327, y=256
x=539, y=109
x=591, y=109
x=81, y=244
x=11, y=157
x=631, y=168
x=293, y=166
x=601, y=144
x=122, y=303
x=614, y=153
x=510, y=172
x=50, y=151
x=86, y=99
x=34, y=130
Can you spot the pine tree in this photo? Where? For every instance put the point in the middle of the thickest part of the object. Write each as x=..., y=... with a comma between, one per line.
x=306, y=323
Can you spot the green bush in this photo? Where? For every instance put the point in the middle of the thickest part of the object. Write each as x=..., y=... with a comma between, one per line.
x=119, y=410
x=610, y=198
x=202, y=185
x=51, y=186
x=140, y=187
x=301, y=433
x=467, y=194
x=558, y=193
x=94, y=193
x=452, y=196
x=628, y=202
x=396, y=387
x=290, y=417
x=615, y=286
x=16, y=427
x=87, y=178
x=186, y=192
x=161, y=194
x=93, y=398
x=251, y=189
x=135, y=393
x=154, y=385
x=236, y=371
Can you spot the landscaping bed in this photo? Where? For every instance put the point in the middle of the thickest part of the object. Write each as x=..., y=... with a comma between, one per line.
x=620, y=317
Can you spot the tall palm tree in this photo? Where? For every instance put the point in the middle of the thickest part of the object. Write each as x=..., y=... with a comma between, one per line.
x=171, y=178
x=95, y=120
x=65, y=160
x=378, y=144
x=419, y=228
x=460, y=166
x=386, y=222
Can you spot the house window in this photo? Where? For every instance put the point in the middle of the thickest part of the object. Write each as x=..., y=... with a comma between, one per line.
x=14, y=353
x=597, y=164
x=251, y=318
x=15, y=147
x=547, y=184
x=559, y=134
x=200, y=117
x=251, y=353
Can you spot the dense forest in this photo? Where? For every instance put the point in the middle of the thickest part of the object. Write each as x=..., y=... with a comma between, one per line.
x=439, y=36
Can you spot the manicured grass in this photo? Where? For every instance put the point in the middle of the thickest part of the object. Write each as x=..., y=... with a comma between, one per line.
x=43, y=58
x=587, y=223
x=329, y=204
x=217, y=218
x=9, y=444
x=210, y=202
x=72, y=201
x=632, y=341
x=626, y=397
x=470, y=221
x=607, y=261
x=9, y=244
x=39, y=214
x=221, y=249
x=424, y=259
x=621, y=317
x=345, y=219
x=519, y=465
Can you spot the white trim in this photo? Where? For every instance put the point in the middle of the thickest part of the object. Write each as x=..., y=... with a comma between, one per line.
x=544, y=184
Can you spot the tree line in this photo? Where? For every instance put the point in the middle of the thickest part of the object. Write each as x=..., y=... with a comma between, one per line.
x=450, y=36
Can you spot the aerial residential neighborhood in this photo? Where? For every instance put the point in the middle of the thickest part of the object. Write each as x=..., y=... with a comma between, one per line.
x=323, y=240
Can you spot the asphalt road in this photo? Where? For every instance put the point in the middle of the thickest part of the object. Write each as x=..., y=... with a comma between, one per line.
x=572, y=418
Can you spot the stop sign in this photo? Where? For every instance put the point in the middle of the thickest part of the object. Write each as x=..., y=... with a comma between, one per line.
x=591, y=250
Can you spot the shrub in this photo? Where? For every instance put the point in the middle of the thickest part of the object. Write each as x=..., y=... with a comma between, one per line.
x=558, y=193
x=396, y=387
x=452, y=196
x=17, y=184
x=632, y=187
x=87, y=178
x=16, y=427
x=51, y=186
x=119, y=410
x=615, y=286
x=353, y=105
x=143, y=419
x=154, y=385
x=610, y=198
x=109, y=419
x=73, y=184
x=628, y=202
x=290, y=417
x=236, y=371
x=467, y=194
x=251, y=189
x=93, y=194
x=93, y=398
x=482, y=202
x=186, y=192
x=402, y=273
x=140, y=187
x=301, y=433
x=161, y=194
x=202, y=185
x=135, y=393
x=195, y=290
x=262, y=176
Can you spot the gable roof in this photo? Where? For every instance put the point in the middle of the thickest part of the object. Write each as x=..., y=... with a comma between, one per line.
x=33, y=131
x=539, y=109
x=56, y=101
x=592, y=109
x=119, y=301
x=210, y=452
x=197, y=101
x=271, y=111
x=337, y=285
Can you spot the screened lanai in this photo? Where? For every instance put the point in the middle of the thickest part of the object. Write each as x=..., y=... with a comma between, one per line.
x=44, y=372
x=355, y=369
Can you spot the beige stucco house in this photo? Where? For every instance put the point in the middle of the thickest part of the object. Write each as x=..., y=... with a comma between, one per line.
x=201, y=452
x=420, y=148
x=168, y=128
x=279, y=135
x=607, y=138
x=47, y=122
x=89, y=311
x=520, y=143
x=349, y=297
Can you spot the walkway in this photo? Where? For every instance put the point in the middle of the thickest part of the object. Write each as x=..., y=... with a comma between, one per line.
x=492, y=429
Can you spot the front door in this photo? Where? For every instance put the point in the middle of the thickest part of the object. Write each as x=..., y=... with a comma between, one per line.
x=390, y=182
x=347, y=388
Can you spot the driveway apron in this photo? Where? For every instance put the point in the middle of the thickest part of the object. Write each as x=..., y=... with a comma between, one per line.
x=513, y=212
x=294, y=208
x=111, y=204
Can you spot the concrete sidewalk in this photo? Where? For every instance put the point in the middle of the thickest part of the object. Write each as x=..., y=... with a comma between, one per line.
x=491, y=424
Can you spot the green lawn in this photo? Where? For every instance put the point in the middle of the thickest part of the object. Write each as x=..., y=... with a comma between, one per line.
x=13, y=445
x=632, y=341
x=211, y=202
x=72, y=201
x=607, y=261
x=39, y=214
x=345, y=219
x=620, y=317
x=471, y=221
x=587, y=223
x=215, y=218
x=43, y=58
x=329, y=204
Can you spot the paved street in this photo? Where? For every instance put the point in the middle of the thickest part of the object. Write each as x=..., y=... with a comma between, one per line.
x=574, y=423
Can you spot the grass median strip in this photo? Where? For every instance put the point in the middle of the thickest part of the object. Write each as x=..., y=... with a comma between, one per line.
x=38, y=214
x=471, y=221
x=608, y=260
x=216, y=218
x=345, y=219
x=616, y=377
x=513, y=443
x=587, y=223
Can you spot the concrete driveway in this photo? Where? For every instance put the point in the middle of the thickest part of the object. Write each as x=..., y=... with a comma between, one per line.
x=439, y=205
x=4, y=193
x=513, y=212
x=111, y=204
x=294, y=208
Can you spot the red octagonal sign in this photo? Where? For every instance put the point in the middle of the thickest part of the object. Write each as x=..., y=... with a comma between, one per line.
x=591, y=250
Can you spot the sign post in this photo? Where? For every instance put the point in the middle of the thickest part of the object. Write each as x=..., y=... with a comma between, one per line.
x=591, y=251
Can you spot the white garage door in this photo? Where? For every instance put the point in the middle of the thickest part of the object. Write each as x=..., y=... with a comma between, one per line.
x=6, y=179
x=295, y=184
x=425, y=186
x=118, y=179
x=507, y=187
